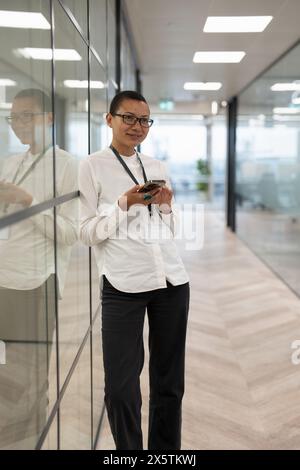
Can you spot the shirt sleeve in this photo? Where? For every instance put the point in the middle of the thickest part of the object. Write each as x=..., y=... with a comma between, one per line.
x=96, y=223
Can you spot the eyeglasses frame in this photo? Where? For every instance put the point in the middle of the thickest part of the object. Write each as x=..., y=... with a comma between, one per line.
x=137, y=119
x=10, y=119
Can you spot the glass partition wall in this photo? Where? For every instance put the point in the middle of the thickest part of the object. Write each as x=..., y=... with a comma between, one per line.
x=57, y=73
x=194, y=150
x=268, y=167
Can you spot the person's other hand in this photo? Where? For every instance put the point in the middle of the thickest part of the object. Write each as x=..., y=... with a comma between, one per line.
x=132, y=196
x=12, y=194
x=164, y=200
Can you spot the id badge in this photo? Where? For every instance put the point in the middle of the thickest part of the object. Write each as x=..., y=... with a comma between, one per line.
x=4, y=233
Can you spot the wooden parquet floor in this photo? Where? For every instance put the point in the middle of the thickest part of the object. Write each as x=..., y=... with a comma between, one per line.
x=242, y=389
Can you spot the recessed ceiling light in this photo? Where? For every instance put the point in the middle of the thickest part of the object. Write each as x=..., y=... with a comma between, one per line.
x=83, y=84
x=286, y=110
x=295, y=86
x=208, y=86
x=218, y=56
x=7, y=82
x=236, y=24
x=46, y=54
x=23, y=19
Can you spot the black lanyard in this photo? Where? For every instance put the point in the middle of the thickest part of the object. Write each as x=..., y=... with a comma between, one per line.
x=29, y=170
x=115, y=151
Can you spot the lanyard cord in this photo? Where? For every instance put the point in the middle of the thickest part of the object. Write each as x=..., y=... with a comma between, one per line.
x=27, y=172
x=128, y=171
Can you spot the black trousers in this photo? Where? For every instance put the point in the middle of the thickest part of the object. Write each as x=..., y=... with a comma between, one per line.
x=123, y=355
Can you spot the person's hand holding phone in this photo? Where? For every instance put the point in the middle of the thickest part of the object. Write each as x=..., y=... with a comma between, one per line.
x=134, y=196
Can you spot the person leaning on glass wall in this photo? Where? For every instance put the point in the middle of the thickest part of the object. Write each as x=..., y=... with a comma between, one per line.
x=27, y=282
x=139, y=267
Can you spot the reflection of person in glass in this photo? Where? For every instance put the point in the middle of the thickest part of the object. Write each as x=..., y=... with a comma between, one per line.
x=27, y=279
x=139, y=270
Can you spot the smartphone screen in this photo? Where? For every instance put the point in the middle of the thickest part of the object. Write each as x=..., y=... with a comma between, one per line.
x=152, y=184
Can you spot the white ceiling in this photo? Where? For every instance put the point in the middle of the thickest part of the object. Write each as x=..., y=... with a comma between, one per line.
x=166, y=34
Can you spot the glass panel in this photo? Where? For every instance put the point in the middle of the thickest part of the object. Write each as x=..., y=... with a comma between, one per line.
x=98, y=140
x=78, y=9
x=268, y=168
x=98, y=28
x=72, y=138
x=112, y=90
x=111, y=38
x=25, y=107
x=71, y=101
x=98, y=375
x=27, y=331
x=75, y=421
x=74, y=306
x=127, y=63
x=218, y=162
x=98, y=127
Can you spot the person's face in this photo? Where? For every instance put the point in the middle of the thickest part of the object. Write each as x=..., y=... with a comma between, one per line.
x=129, y=136
x=29, y=122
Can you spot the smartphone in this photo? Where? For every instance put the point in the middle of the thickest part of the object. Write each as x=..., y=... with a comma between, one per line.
x=151, y=184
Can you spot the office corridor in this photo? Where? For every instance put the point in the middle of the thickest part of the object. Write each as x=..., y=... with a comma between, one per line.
x=242, y=389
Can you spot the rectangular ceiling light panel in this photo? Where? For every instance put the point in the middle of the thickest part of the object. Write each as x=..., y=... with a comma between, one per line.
x=220, y=57
x=236, y=24
x=208, y=86
x=46, y=54
x=23, y=19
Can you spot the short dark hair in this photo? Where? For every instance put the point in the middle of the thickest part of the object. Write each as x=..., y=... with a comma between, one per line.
x=124, y=95
x=40, y=97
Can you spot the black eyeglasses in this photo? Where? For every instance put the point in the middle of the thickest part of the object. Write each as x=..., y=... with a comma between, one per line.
x=25, y=118
x=131, y=120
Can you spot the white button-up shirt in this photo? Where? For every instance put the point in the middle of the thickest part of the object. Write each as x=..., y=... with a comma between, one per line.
x=126, y=252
